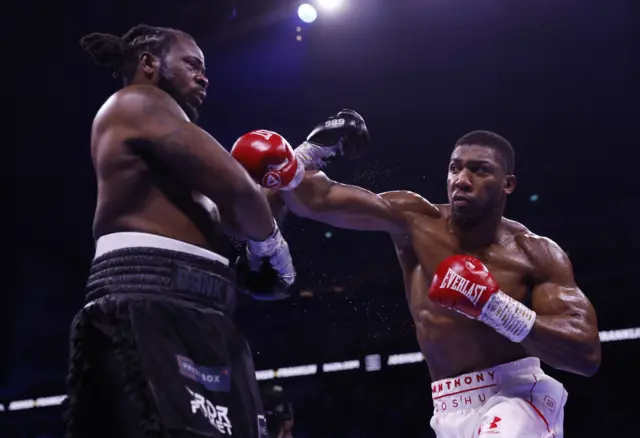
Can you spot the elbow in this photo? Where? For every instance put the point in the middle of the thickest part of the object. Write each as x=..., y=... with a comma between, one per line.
x=592, y=361
x=591, y=358
x=589, y=368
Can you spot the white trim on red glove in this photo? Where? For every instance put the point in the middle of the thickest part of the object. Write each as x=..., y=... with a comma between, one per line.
x=297, y=178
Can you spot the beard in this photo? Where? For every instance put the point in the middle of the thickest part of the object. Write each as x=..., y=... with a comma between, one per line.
x=166, y=83
x=472, y=215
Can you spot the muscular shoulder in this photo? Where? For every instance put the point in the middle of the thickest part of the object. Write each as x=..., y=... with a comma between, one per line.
x=412, y=207
x=548, y=259
x=410, y=202
x=134, y=113
x=134, y=104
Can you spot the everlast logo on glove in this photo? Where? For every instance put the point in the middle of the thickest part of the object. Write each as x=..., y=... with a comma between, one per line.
x=271, y=180
x=460, y=284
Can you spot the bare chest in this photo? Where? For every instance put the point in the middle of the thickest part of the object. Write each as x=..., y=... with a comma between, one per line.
x=451, y=342
x=432, y=243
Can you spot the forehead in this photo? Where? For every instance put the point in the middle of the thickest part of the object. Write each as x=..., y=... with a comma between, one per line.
x=185, y=46
x=471, y=152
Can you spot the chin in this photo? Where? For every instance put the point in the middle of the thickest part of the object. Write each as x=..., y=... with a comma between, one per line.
x=183, y=100
x=192, y=112
x=465, y=217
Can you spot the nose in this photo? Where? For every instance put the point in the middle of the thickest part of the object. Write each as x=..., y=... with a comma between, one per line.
x=463, y=181
x=202, y=81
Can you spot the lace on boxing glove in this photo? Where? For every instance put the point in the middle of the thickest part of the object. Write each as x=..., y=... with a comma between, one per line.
x=313, y=157
x=508, y=316
x=276, y=250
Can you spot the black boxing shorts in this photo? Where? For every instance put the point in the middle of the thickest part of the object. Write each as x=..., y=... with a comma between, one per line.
x=154, y=352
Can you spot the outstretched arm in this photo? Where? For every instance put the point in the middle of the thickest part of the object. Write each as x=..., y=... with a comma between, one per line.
x=345, y=206
x=307, y=192
x=341, y=205
x=565, y=332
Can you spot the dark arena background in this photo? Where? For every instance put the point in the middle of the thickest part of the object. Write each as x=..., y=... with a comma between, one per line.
x=559, y=79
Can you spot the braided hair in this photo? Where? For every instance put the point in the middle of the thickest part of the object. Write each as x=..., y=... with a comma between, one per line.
x=121, y=53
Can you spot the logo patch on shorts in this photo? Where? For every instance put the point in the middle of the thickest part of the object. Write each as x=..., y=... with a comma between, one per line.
x=490, y=426
x=213, y=378
x=263, y=432
x=217, y=415
x=549, y=403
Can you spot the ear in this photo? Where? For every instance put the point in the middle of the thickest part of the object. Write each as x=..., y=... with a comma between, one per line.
x=148, y=64
x=510, y=184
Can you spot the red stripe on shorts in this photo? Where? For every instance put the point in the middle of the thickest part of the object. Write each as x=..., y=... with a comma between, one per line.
x=537, y=411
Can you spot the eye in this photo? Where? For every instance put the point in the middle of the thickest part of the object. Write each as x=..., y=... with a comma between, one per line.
x=480, y=169
x=453, y=167
x=195, y=66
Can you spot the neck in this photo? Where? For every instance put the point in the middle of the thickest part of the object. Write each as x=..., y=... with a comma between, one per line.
x=479, y=234
x=139, y=78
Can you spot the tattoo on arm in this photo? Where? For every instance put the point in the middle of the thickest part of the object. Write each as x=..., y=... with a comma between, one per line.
x=175, y=146
x=176, y=149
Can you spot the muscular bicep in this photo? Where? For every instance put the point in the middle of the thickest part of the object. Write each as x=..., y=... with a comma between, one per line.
x=553, y=299
x=156, y=125
x=555, y=291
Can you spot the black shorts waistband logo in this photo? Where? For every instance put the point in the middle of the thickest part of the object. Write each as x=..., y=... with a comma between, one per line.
x=199, y=282
x=213, y=378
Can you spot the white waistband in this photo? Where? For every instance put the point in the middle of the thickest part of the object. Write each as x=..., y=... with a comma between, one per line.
x=483, y=378
x=112, y=242
x=472, y=390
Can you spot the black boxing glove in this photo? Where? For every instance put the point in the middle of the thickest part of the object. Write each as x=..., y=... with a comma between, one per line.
x=344, y=134
x=265, y=270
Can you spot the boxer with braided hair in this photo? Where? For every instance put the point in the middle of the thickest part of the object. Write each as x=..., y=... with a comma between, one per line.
x=149, y=44
x=121, y=53
x=155, y=352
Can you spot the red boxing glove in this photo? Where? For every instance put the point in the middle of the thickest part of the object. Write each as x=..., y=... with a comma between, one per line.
x=464, y=284
x=269, y=159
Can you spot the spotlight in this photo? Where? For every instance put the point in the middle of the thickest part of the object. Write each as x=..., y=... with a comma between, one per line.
x=307, y=13
x=330, y=4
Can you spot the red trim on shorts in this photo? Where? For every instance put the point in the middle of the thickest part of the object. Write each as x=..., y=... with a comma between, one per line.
x=537, y=411
x=464, y=390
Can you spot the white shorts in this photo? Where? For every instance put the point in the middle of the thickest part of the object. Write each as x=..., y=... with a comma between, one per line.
x=516, y=399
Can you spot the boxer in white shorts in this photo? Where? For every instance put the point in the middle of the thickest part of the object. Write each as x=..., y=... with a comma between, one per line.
x=516, y=399
x=486, y=294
